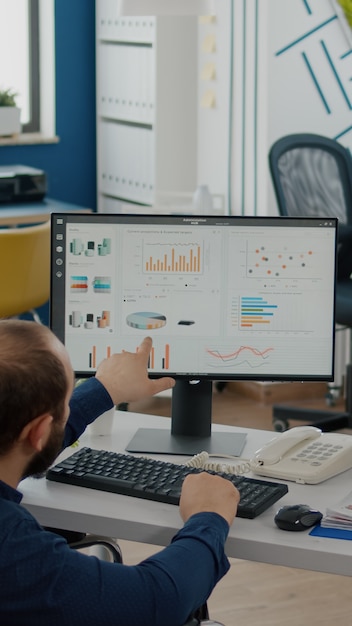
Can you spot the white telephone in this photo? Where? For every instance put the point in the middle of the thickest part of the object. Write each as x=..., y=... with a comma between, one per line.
x=305, y=455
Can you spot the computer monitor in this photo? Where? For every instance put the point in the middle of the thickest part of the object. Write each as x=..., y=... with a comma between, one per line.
x=224, y=298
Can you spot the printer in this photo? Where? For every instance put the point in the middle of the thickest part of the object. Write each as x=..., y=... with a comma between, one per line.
x=19, y=183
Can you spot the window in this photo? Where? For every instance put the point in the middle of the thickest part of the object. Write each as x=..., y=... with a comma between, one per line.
x=19, y=57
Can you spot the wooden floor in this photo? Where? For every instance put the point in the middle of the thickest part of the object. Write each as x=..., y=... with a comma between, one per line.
x=254, y=594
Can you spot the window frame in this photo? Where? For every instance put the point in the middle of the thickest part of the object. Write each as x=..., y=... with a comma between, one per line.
x=33, y=125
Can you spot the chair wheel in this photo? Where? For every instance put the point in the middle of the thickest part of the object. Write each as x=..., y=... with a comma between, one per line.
x=330, y=400
x=280, y=425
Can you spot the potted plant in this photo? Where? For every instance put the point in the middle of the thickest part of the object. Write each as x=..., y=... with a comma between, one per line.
x=10, y=114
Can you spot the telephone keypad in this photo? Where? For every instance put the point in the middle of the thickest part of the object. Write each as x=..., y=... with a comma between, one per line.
x=317, y=453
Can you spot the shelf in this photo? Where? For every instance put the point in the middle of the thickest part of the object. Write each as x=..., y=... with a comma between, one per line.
x=146, y=106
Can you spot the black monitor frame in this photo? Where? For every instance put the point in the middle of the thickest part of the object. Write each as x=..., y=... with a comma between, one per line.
x=192, y=395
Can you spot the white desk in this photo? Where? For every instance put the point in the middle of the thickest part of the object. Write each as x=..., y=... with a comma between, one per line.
x=75, y=508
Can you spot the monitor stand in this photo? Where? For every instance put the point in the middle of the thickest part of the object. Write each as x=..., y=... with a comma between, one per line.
x=190, y=426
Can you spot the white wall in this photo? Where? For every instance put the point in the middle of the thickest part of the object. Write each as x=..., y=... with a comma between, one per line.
x=292, y=69
x=214, y=87
x=309, y=72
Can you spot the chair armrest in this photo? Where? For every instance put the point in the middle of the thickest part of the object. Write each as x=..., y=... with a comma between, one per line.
x=95, y=540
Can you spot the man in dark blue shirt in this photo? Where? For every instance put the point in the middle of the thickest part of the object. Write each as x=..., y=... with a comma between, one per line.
x=42, y=581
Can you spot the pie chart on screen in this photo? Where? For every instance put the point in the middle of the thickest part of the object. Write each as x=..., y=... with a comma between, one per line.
x=145, y=320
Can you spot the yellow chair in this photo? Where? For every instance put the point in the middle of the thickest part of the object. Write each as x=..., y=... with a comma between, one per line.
x=24, y=269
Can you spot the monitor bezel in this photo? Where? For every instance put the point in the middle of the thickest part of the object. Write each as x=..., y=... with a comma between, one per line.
x=195, y=220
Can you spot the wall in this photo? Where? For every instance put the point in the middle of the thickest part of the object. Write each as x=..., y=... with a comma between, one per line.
x=291, y=72
x=309, y=73
x=71, y=164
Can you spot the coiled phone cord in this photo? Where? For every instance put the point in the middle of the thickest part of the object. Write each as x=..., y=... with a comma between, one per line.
x=242, y=466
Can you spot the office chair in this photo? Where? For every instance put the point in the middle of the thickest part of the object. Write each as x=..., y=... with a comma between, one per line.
x=24, y=269
x=80, y=541
x=312, y=176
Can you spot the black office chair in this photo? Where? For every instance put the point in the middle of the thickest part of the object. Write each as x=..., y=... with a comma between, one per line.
x=312, y=176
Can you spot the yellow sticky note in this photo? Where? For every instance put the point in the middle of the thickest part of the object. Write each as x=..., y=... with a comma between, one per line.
x=209, y=43
x=208, y=100
x=207, y=19
x=208, y=72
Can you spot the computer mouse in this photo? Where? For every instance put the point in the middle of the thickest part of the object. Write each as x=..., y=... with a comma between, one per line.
x=297, y=517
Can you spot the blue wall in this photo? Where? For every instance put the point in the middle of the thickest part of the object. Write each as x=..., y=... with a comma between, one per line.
x=70, y=165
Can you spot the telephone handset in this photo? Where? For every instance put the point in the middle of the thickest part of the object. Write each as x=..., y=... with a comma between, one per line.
x=273, y=451
x=305, y=455
x=302, y=454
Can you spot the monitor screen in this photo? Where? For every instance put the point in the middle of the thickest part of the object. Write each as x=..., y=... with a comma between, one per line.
x=223, y=298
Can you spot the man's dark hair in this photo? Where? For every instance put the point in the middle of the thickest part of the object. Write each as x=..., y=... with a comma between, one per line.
x=33, y=379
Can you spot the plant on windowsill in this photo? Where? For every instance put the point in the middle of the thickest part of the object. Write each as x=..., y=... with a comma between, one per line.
x=10, y=114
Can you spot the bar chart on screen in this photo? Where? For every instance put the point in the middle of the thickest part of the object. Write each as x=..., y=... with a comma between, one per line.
x=173, y=258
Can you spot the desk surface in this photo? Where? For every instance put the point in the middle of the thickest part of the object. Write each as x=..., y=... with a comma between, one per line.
x=124, y=517
x=35, y=212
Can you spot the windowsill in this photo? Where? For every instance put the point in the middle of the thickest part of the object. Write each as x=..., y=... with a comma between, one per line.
x=26, y=139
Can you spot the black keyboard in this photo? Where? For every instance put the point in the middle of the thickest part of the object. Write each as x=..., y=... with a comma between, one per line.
x=155, y=480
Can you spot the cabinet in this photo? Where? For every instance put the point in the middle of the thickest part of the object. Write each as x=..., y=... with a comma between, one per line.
x=146, y=107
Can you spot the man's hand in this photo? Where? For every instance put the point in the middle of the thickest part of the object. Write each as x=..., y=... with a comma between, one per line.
x=125, y=375
x=206, y=492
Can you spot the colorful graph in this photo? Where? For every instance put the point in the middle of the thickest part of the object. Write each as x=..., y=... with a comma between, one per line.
x=102, y=284
x=279, y=262
x=173, y=259
x=254, y=357
x=79, y=284
x=256, y=312
x=164, y=360
x=146, y=320
x=159, y=359
x=92, y=356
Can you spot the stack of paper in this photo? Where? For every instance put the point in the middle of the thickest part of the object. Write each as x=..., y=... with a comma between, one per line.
x=339, y=516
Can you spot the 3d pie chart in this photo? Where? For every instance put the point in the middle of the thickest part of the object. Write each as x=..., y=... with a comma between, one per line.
x=145, y=320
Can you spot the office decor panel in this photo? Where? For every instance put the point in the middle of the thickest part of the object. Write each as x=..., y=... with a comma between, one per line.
x=126, y=95
x=146, y=106
x=126, y=166
x=112, y=27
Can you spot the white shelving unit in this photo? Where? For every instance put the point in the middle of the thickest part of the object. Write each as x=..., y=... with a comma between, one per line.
x=146, y=108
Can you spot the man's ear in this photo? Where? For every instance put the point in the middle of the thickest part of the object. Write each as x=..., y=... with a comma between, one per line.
x=36, y=433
